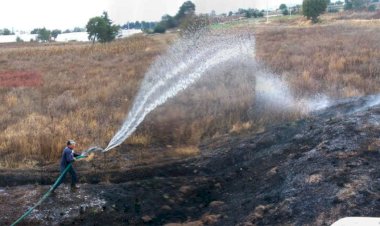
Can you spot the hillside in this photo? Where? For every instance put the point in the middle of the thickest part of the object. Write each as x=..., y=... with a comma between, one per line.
x=247, y=144
x=83, y=91
x=312, y=171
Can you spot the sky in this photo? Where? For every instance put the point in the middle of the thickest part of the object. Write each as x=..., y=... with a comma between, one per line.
x=67, y=14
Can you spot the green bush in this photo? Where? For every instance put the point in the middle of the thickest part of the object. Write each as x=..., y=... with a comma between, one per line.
x=313, y=8
x=372, y=8
x=160, y=28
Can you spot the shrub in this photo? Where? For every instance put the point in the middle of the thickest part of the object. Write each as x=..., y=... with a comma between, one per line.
x=160, y=28
x=313, y=8
x=372, y=8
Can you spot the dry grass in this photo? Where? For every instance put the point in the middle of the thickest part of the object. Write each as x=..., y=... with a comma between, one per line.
x=186, y=151
x=339, y=59
x=85, y=95
x=87, y=90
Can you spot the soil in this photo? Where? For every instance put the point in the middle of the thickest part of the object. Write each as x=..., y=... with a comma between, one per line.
x=309, y=172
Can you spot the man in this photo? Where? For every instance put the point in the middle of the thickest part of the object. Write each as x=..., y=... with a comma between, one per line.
x=68, y=156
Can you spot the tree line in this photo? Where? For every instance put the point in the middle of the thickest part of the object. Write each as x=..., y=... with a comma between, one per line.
x=143, y=25
x=6, y=31
x=311, y=9
x=102, y=29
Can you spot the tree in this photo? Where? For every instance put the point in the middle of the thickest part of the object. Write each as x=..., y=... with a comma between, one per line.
x=35, y=31
x=249, y=13
x=347, y=5
x=186, y=9
x=160, y=28
x=193, y=24
x=101, y=28
x=372, y=8
x=168, y=21
x=283, y=7
x=78, y=29
x=6, y=31
x=359, y=4
x=55, y=33
x=313, y=8
x=42, y=34
x=137, y=25
x=144, y=25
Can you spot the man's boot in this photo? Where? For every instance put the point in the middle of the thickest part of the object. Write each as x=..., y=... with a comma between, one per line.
x=74, y=188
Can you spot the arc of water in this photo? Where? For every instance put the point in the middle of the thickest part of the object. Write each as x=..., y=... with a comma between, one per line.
x=130, y=125
x=182, y=66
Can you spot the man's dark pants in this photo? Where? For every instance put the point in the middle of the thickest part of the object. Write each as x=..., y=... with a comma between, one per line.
x=73, y=174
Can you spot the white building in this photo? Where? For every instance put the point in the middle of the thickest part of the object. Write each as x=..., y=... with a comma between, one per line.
x=13, y=38
x=66, y=37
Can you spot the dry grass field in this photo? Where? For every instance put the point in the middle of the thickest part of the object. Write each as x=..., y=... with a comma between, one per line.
x=339, y=57
x=85, y=94
x=86, y=90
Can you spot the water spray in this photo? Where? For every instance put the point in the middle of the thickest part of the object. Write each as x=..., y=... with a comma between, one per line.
x=184, y=64
x=192, y=57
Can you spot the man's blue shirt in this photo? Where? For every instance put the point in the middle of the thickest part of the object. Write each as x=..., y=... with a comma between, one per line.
x=67, y=157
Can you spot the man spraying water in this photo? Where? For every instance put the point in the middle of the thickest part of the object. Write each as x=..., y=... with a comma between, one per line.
x=68, y=156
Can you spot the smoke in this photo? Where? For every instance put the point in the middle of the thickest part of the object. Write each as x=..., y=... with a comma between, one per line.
x=371, y=101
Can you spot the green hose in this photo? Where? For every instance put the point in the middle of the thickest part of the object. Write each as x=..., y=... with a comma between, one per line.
x=47, y=193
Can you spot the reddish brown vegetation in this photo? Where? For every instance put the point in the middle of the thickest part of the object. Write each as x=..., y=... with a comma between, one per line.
x=20, y=79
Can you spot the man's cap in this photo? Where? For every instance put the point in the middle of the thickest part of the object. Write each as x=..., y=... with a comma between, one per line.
x=70, y=142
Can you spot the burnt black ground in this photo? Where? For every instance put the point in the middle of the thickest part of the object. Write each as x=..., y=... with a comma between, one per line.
x=309, y=172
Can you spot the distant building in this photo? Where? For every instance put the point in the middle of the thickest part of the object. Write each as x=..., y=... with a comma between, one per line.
x=18, y=36
x=367, y=3
x=72, y=36
x=335, y=7
x=65, y=37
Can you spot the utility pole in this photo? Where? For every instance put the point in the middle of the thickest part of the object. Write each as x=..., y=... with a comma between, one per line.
x=267, y=11
x=290, y=9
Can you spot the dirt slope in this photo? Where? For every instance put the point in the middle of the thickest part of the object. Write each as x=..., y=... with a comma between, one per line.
x=310, y=172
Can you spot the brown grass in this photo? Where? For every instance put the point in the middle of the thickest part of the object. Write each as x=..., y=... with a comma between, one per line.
x=338, y=59
x=85, y=95
x=88, y=89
